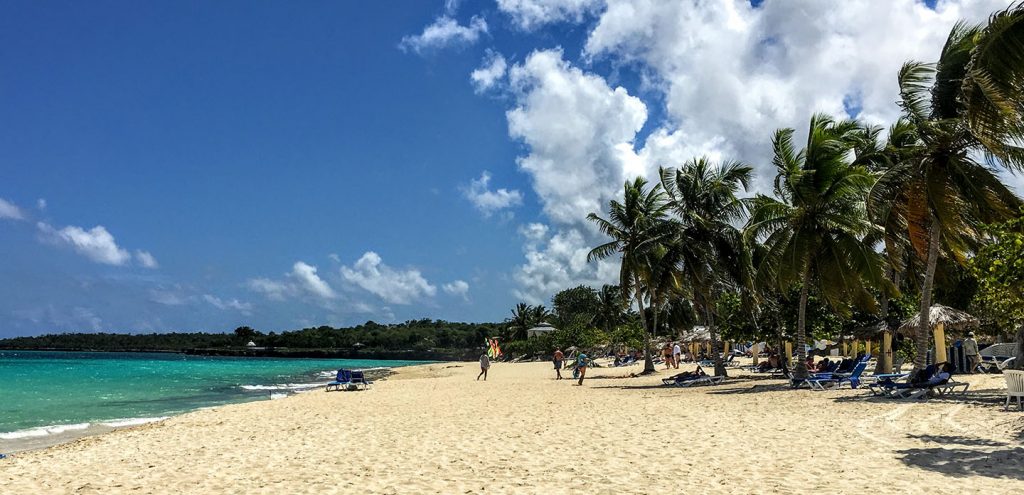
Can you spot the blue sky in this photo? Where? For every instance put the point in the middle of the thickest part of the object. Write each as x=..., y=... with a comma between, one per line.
x=199, y=166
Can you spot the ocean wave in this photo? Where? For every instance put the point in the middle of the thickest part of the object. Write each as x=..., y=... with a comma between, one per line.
x=276, y=396
x=119, y=423
x=284, y=386
x=42, y=431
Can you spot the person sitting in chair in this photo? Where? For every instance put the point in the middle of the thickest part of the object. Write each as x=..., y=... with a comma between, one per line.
x=823, y=365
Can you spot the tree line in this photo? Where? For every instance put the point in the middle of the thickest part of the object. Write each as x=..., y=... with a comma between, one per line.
x=423, y=334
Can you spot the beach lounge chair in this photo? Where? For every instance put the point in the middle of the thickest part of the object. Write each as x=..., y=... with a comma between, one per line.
x=919, y=386
x=359, y=379
x=701, y=380
x=689, y=379
x=1014, y=387
x=819, y=381
x=344, y=379
x=915, y=391
x=728, y=361
x=885, y=387
x=995, y=354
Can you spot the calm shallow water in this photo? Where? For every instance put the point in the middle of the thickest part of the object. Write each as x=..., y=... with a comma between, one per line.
x=45, y=393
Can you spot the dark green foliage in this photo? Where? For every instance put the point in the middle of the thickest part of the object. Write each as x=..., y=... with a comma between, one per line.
x=573, y=304
x=414, y=334
x=999, y=268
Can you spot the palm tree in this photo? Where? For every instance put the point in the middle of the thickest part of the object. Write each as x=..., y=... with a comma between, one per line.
x=539, y=314
x=636, y=225
x=965, y=105
x=704, y=198
x=813, y=230
x=520, y=321
x=611, y=308
x=661, y=277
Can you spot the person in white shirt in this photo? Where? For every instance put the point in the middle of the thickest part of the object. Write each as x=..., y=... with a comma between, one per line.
x=677, y=354
x=485, y=364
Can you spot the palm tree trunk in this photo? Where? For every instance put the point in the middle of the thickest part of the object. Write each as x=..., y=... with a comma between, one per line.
x=709, y=317
x=881, y=362
x=648, y=361
x=801, y=335
x=923, y=337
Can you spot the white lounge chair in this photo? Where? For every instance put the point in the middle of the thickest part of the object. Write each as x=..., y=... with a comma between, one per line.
x=1014, y=387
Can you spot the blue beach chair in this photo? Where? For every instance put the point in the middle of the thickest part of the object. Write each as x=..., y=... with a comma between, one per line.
x=820, y=380
x=344, y=379
x=359, y=379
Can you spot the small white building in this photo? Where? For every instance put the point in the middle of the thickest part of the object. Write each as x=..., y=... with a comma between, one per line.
x=542, y=328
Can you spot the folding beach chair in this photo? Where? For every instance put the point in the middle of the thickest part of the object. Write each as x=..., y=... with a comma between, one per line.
x=344, y=379
x=359, y=379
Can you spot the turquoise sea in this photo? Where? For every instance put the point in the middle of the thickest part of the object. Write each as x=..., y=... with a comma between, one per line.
x=50, y=393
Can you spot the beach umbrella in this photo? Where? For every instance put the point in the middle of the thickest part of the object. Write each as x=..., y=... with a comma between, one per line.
x=939, y=319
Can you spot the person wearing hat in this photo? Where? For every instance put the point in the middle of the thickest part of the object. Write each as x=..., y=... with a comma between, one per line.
x=971, y=351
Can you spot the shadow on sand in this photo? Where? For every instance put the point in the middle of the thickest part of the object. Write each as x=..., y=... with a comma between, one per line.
x=999, y=462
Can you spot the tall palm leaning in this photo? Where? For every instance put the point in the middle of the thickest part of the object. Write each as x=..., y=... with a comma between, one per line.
x=813, y=230
x=966, y=105
x=636, y=226
x=703, y=196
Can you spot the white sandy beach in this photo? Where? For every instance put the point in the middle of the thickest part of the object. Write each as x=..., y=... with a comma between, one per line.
x=434, y=429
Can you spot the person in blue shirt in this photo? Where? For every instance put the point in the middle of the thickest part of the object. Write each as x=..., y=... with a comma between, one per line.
x=581, y=365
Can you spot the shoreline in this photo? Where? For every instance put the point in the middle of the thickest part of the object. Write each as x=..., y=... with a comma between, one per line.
x=47, y=436
x=433, y=428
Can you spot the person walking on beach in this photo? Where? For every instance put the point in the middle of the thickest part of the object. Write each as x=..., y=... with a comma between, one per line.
x=485, y=364
x=666, y=354
x=971, y=351
x=581, y=366
x=677, y=354
x=557, y=359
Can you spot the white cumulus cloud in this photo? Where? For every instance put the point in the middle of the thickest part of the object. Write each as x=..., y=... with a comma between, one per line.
x=10, y=211
x=730, y=73
x=579, y=131
x=531, y=14
x=145, y=259
x=302, y=280
x=96, y=243
x=393, y=286
x=444, y=32
x=490, y=73
x=560, y=263
x=489, y=201
x=457, y=288
x=307, y=279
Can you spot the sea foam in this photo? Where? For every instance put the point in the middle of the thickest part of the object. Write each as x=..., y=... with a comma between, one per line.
x=120, y=423
x=42, y=431
x=284, y=386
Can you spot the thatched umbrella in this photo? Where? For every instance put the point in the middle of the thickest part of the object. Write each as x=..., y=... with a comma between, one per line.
x=944, y=315
x=939, y=318
x=880, y=330
x=698, y=336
